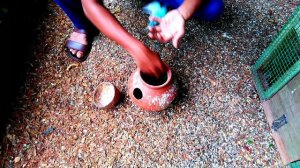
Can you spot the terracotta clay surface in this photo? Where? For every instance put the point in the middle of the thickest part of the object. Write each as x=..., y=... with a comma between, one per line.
x=106, y=95
x=152, y=94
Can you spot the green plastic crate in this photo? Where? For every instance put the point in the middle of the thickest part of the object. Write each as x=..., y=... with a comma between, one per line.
x=295, y=164
x=280, y=62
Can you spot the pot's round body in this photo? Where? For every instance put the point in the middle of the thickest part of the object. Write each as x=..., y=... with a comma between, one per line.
x=152, y=95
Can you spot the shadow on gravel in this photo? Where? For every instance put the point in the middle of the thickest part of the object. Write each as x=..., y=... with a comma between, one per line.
x=18, y=19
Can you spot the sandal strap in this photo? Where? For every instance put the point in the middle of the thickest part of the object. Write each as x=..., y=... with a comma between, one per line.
x=82, y=31
x=76, y=46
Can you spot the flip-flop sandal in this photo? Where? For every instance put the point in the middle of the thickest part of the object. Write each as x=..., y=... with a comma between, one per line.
x=84, y=48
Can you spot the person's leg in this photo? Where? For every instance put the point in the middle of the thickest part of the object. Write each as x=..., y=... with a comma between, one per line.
x=81, y=39
x=74, y=11
x=171, y=3
x=210, y=10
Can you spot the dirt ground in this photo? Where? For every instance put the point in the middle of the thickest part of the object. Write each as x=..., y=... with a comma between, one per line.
x=216, y=121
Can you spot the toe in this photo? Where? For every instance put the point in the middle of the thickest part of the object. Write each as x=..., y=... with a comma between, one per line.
x=79, y=54
x=73, y=51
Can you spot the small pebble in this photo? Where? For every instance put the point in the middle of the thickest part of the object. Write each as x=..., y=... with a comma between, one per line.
x=17, y=159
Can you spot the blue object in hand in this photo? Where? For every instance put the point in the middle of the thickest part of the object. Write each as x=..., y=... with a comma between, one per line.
x=156, y=10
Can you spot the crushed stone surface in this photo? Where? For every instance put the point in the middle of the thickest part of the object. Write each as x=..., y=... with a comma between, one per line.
x=216, y=121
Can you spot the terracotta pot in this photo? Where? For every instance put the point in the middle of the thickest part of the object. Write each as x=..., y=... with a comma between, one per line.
x=106, y=95
x=152, y=94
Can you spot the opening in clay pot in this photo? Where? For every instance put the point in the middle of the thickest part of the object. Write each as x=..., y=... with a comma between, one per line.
x=137, y=93
x=151, y=80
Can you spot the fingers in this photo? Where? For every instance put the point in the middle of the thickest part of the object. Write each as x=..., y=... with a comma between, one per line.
x=160, y=68
x=177, y=37
x=155, y=72
x=165, y=38
x=155, y=69
x=155, y=19
x=157, y=34
x=155, y=29
x=151, y=35
x=162, y=38
x=159, y=37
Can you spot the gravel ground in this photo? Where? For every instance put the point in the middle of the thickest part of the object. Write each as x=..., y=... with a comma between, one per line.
x=216, y=121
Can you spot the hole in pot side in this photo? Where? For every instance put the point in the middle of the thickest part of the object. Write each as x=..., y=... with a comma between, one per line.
x=151, y=80
x=137, y=93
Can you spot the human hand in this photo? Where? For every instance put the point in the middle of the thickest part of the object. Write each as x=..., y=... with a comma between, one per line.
x=149, y=62
x=171, y=27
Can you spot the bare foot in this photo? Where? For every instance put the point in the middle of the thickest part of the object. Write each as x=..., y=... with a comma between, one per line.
x=80, y=38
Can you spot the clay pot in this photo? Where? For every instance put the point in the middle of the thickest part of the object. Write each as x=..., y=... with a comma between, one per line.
x=152, y=94
x=106, y=95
